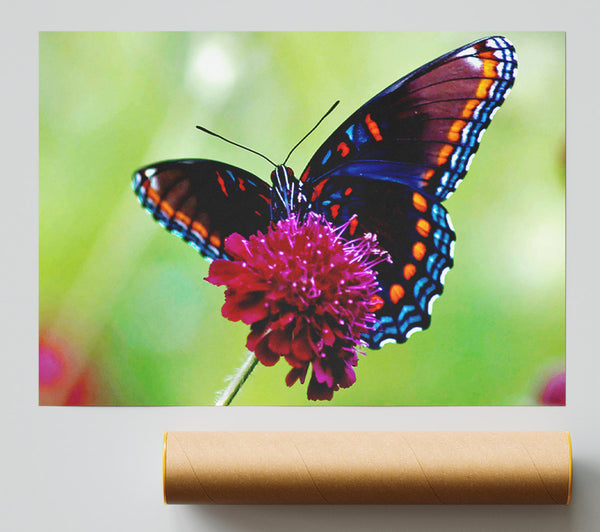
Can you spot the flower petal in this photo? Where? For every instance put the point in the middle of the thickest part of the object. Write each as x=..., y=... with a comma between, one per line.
x=295, y=374
x=347, y=376
x=284, y=320
x=328, y=336
x=264, y=354
x=295, y=362
x=322, y=372
x=237, y=246
x=248, y=282
x=247, y=307
x=253, y=339
x=222, y=271
x=318, y=391
x=280, y=341
x=301, y=346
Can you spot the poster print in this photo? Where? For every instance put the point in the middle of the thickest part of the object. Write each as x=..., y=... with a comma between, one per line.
x=324, y=283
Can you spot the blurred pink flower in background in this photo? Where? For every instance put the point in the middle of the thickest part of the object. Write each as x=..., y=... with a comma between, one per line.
x=64, y=376
x=554, y=391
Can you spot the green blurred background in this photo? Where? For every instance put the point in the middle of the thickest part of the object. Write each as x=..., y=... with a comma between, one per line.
x=125, y=315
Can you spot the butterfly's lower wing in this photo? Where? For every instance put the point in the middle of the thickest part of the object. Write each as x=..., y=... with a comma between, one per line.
x=425, y=128
x=204, y=201
x=416, y=231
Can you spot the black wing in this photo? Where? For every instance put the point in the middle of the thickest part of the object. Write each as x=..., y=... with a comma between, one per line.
x=204, y=201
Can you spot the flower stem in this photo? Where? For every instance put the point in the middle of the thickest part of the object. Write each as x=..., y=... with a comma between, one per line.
x=237, y=381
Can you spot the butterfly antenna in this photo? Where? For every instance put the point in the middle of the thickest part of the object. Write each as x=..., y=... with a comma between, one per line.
x=235, y=144
x=315, y=127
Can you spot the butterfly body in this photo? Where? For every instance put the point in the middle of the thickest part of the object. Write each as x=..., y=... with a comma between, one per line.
x=287, y=195
x=385, y=170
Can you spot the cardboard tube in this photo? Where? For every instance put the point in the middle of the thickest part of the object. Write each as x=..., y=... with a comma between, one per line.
x=367, y=467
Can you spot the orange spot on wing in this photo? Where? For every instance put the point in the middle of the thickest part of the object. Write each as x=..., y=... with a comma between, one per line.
x=156, y=199
x=455, y=129
x=444, y=153
x=268, y=200
x=419, y=202
x=242, y=186
x=376, y=303
x=335, y=210
x=348, y=191
x=373, y=127
x=489, y=65
x=469, y=108
x=222, y=184
x=423, y=227
x=305, y=174
x=429, y=174
x=318, y=189
x=200, y=229
x=419, y=250
x=396, y=293
x=409, y=270
x=151, y=193
x=483, y=88
x=343, y=149
x=353, y=224
x=215, y=241
x=167, y=209
x=182, y=218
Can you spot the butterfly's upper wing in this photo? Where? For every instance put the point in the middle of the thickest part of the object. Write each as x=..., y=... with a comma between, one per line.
x=423, y=129
x=204, y=201
x=416, y=137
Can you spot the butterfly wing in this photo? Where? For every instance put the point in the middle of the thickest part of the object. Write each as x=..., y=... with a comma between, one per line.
x=204, y=201
x=424, y=129
x=417, y=233
x=395, y=159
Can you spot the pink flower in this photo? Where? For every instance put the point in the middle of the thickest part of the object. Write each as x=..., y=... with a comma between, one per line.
x=64, y=376
x=307, y=295
x=554, y=392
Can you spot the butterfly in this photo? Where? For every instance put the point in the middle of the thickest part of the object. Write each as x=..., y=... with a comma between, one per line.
x=385, y=170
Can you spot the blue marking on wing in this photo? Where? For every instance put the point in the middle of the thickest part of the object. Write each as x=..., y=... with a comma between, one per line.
x=408, y=316
x=357, y=134
x=435, y=266
x=350, y=132
x=438, y=214
x=442, y=240
x=424, y=291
